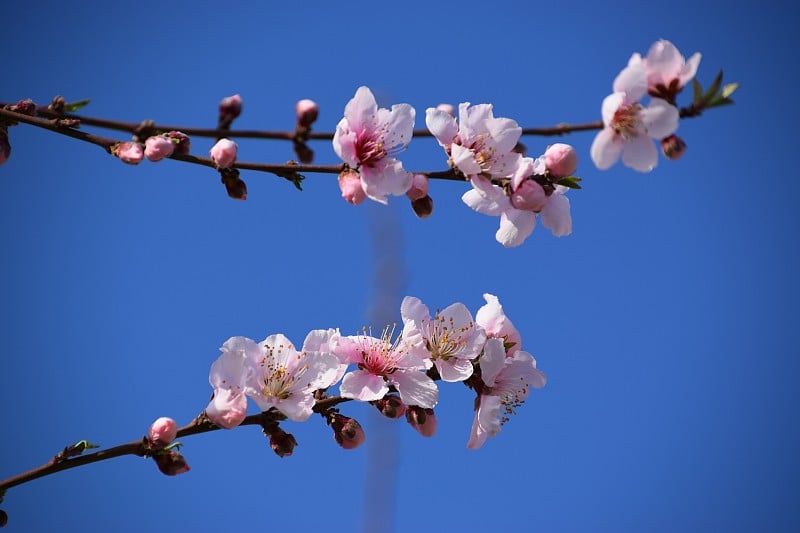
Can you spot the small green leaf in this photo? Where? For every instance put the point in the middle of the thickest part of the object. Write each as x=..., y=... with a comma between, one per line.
x=729, y=89
x=297, y=179
x=81, y=446
x=74, y=106
x=698, y=91
x=570, y=181
x=712, y=91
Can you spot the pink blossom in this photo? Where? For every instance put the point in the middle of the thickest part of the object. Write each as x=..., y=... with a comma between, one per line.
x=347, y=432
x=228, y=406
x=629, y=127
x=383, y=361
x=307, y=112
x=506, y=384
x=451, y=337
x=162, y=431
x=129, y=152
x=158, y=147
x=479, y=143
x=223, y=153
x=368, y=138
x=419, y=187
x=230, y=107
x=561, y=160
x=529, y=199
x=665, y=65
x=350, y=185
x=497, y=325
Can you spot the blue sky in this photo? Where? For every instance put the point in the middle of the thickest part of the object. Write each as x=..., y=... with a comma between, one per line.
x=667, y=323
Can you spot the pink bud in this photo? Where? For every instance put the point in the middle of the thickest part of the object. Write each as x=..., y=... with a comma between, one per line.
x=162, y=431
x=529, y=196
x=26, y=107
x=307, y=112
x=227, y=409
x=350, y=185
x=561, y=160
x=5, y=146
x=129, y=152
x=391, y=406
x=157, y=148
x=673, y=147
x=182, y=142
x=224, y=153
x=419, y=187
x=447, y=108
x=171, y=463
x=421, y=419
x=347, y=432
x=229, y=108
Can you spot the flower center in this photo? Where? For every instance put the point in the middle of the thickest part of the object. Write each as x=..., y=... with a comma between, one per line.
x=626, y=121
x=380, y=356
x=444, y=339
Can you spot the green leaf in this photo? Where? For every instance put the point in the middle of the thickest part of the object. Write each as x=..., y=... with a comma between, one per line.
x=297, y=179
x=712, y=91
x=570, y=181
x=80, y=447
x=74, y=106
x=698, y=91
x=729, y=89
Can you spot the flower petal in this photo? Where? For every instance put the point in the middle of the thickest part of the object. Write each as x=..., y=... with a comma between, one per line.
x=361, y=385
x=556, y=215
x=442, y=125
x=632, y=81
x=454, y=369
x=464, y=159
x=640, y=153
x=415, y=388
x=605, y=149
x=516, y=225
x=492, y=361
x=660, y=118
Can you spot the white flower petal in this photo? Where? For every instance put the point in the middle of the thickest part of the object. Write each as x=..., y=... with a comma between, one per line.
x=492, y=361
x=556, y=215
x=361, y=385
x=442, y=125
x=515, y=226
x=415, y=388
x=605, y=149
x=227, y=408
x=660, y=119
x=632, y=81
x=454, y=369
x=640, y=154
x=464, y=160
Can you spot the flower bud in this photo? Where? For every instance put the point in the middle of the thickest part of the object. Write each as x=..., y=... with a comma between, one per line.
x=447, y=108
x=5, y=146
x=350, y=185
x=162, y=431
x=561, y=160
x=347, y=432
x=307, y=112
x=421, y=419
x=419, y=187
x=157, y=148
x=181, y=141
x=282, y=443
x=224, y=153
x=391, y=406
x=529, y=196
x=304, y=153
x=229, y=108
x=237, y=189
x=25, y=107
x=673, y=147
x=171, y=463
x=129, y=152
x=423, y=207
x=3, y=518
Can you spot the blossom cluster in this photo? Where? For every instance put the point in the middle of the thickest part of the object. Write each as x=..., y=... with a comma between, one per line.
x=480, y=147
x=628, y=126
x=396, y=372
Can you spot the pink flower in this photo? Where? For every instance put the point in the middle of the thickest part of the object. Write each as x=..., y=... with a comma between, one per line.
x=528, y=200
x=158, y=147
x=162, y=431
x=479, y=143
x=228, y=407
x=497, y=325
x=629, y=127
x=506, y=383
x=368, y=138
x=350, y=185
x=129, y=152
x=381, y=362
x=223, y=153
x=451, y=337
x=665, y=66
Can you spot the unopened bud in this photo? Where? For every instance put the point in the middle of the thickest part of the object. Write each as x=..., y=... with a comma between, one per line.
x=307, y=112
x=224, y=153
x=520, y=149
x=157, y=148
x=25, y=107
x=237, y=189
x=304, y=153
x=447, y=108
x=529, y=196
x=673, y=147
x=347, y=432
x=3, y=518
x=391, y=406
x=419, y=187
x=5, y=146
x=229, y=108
x=282, y=443
x=421, y=419
x=162, y=431
x=561, y=160
x=350, y=185
x=181, y=141
x=171, y=463
x=423, y=207
x=129, y=152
